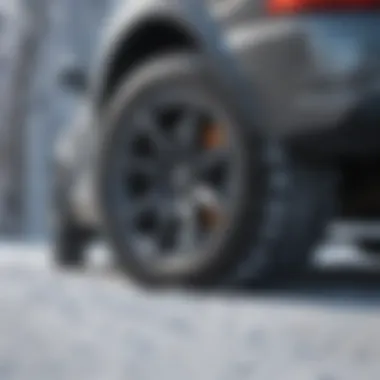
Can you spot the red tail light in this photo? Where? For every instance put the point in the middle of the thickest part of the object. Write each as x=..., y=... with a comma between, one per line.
x=299, y=6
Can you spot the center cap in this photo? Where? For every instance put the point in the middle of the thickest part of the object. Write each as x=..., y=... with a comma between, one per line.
x=181, y=177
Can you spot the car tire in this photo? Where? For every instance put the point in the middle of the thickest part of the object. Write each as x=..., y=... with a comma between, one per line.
x=265, y=229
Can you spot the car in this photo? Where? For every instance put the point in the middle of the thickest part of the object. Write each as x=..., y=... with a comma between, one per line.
x=217, y=140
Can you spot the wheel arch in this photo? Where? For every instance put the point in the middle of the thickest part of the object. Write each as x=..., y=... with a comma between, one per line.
x=145, y=40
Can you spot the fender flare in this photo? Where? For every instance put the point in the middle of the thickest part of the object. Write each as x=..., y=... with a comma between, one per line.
x=193, y=18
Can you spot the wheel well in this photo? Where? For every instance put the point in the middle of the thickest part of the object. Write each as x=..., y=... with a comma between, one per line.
x=151, y=39
x=360, y=188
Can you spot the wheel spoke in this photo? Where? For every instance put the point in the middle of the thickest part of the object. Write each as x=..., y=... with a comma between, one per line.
x=148, y=203
x=188, y=129
x=189, y=237
x=147, y=122
x=147, y=247
x=154, y=223
x=214, y=157
x=204, y=195
x=167, y=232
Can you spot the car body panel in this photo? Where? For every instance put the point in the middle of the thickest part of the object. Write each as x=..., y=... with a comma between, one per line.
x=307, y=72
x=198, y=20
x=75, y=153
x=312, y=70
x=312, y=79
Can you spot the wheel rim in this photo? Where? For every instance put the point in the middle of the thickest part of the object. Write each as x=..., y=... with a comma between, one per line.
x=174, y=177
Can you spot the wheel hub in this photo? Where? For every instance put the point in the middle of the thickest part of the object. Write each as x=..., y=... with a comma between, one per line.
x=181, y=177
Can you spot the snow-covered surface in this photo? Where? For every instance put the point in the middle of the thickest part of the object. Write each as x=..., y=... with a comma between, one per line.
x=94, y=325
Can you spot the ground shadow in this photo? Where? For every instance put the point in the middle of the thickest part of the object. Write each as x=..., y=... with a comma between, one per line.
x=340, y=287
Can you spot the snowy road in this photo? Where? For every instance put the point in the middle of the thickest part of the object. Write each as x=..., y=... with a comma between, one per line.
x=71, y=326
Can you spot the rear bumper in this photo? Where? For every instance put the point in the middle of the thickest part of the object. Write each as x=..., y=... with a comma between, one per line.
x=316, y=74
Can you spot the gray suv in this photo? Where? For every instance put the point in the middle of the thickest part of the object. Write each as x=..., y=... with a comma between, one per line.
x=216, y=138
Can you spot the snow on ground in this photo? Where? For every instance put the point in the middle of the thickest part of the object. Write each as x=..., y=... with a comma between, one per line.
x=85, y=325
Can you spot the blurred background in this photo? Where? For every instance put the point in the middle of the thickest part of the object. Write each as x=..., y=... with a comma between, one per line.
x=39, y=40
